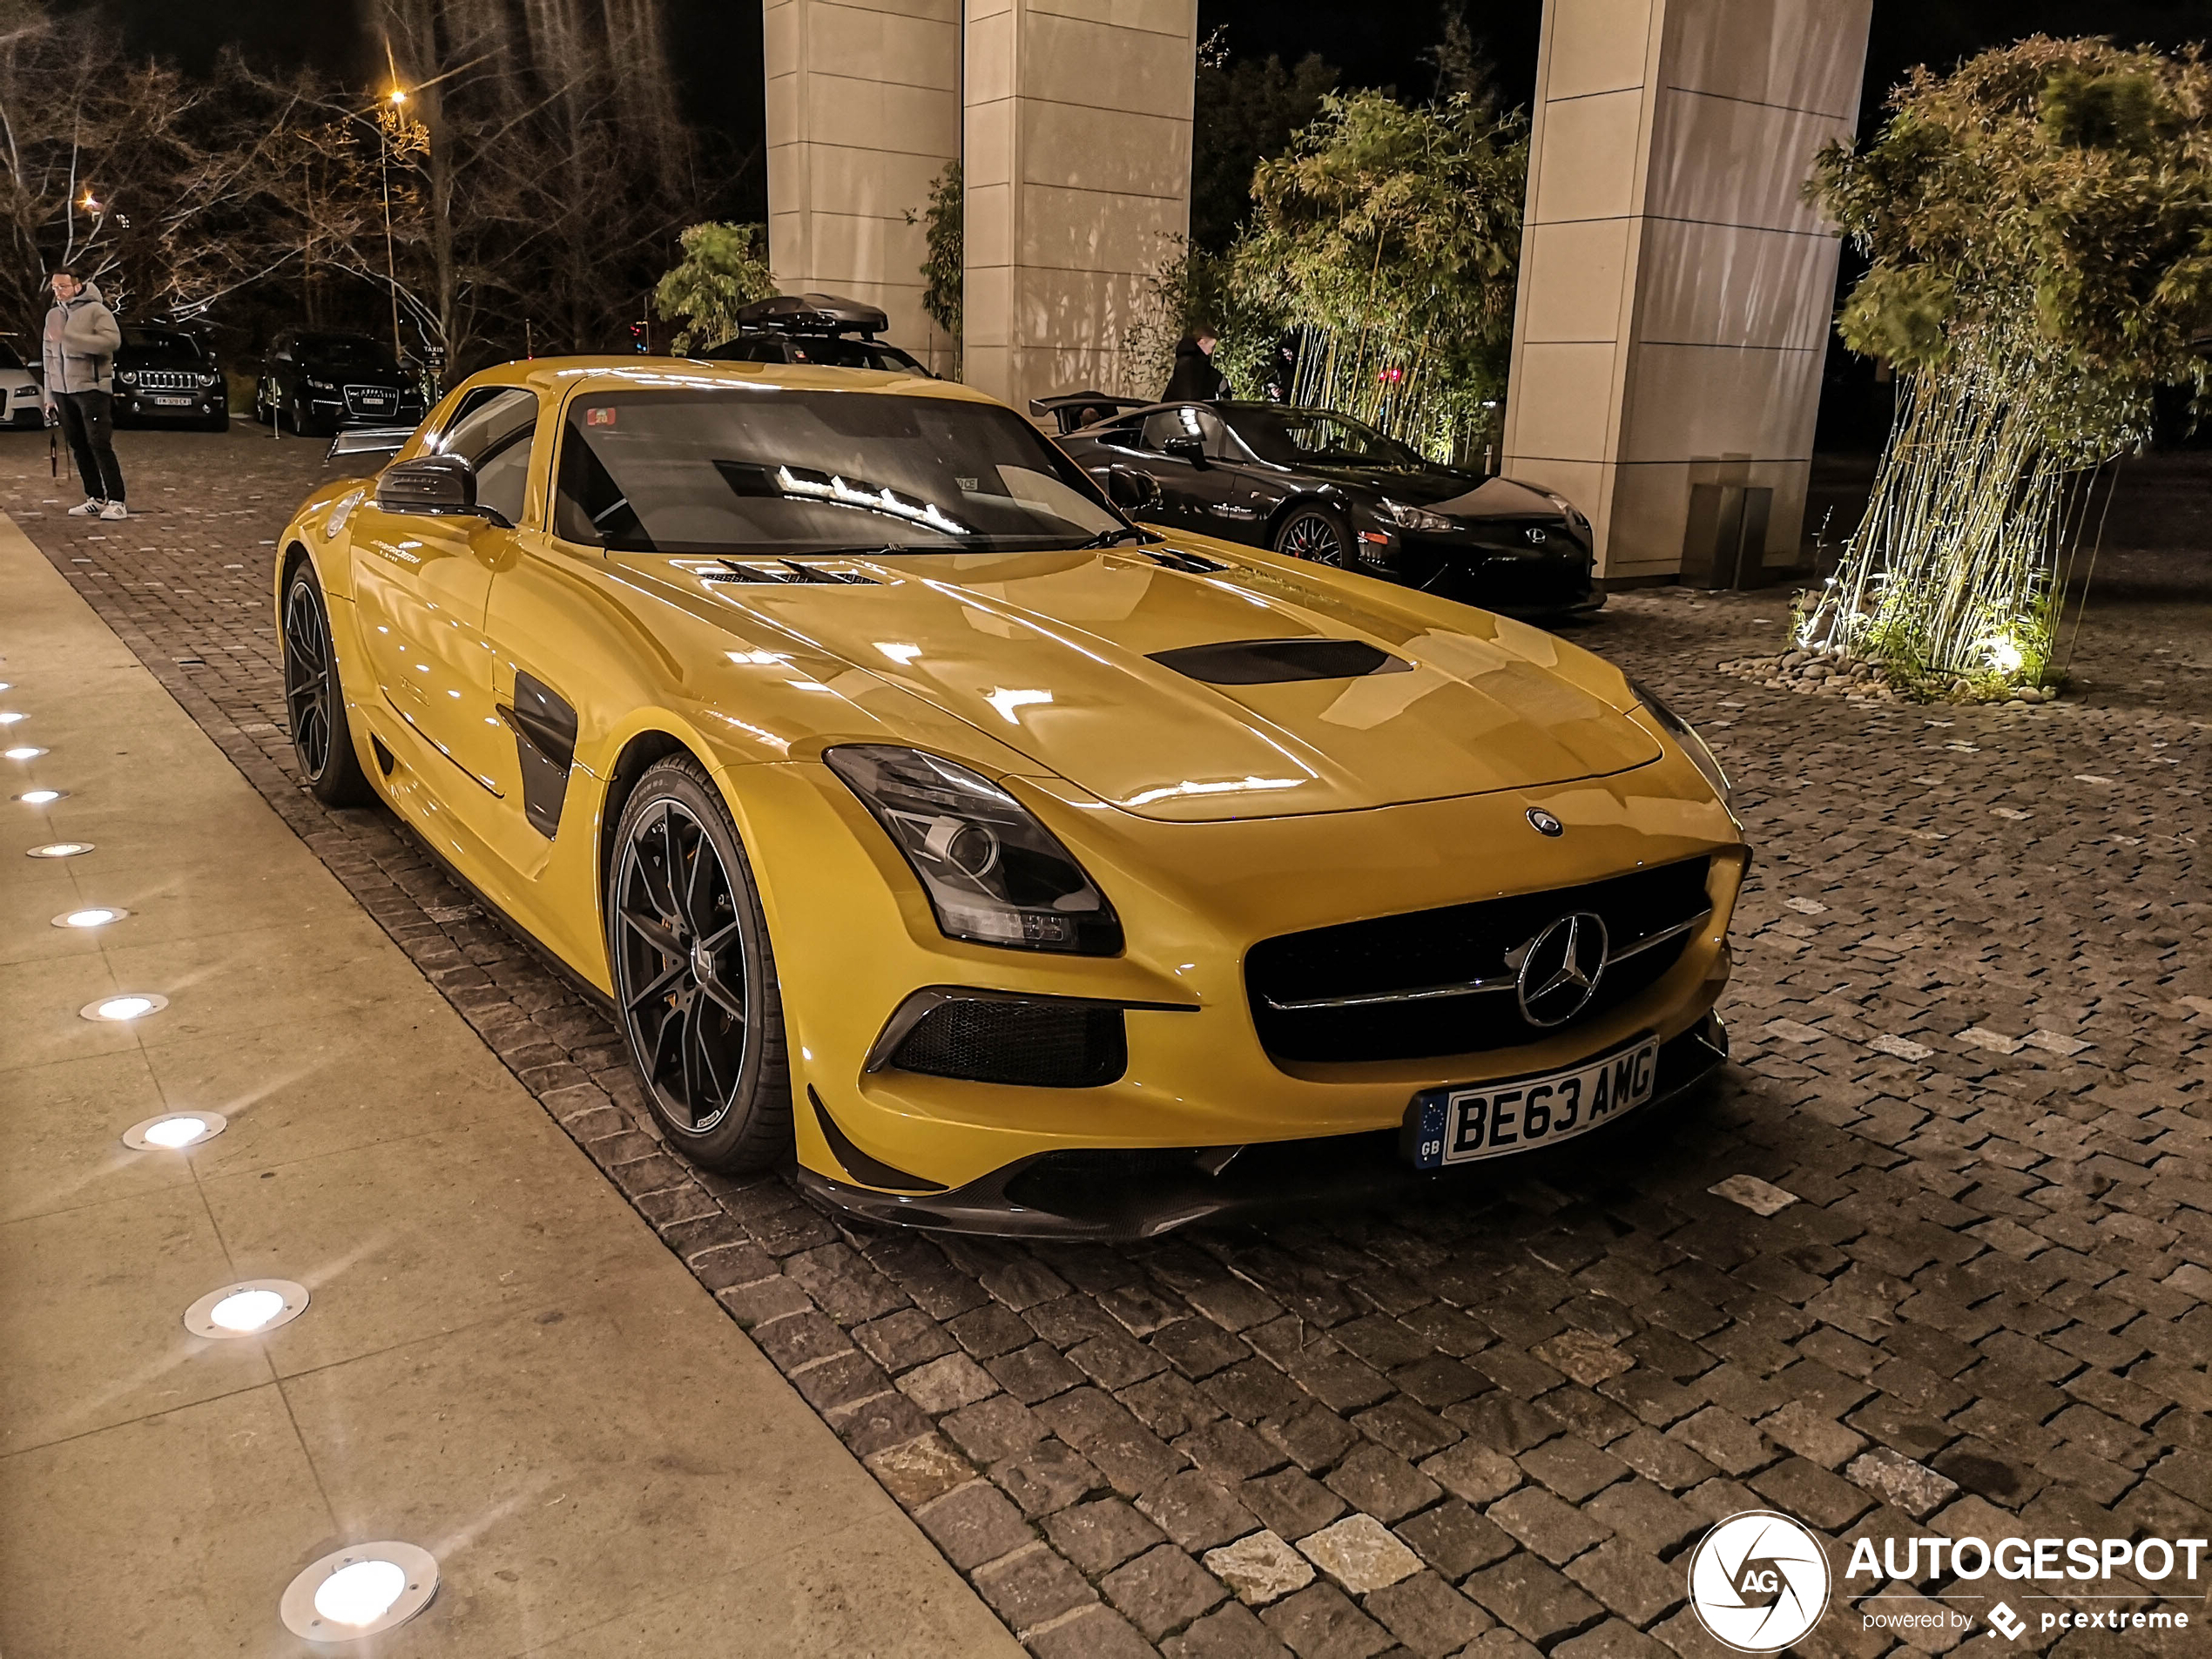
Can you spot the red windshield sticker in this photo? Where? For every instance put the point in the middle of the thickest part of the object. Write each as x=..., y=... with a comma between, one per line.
x=602, y=416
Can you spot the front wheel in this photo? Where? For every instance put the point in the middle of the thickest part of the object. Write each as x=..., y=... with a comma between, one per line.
x=321, y=738
x=1315, y=533
x=694, y=976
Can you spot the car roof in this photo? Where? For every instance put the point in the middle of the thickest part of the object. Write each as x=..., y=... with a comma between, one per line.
x=556, y=375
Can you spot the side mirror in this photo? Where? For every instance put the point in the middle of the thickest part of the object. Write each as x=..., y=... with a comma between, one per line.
x=1134, y=492
x=441, y=486
x=1186, y=449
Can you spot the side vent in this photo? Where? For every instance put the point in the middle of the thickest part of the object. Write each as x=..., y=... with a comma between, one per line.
x=545, y=729
x=1189, y=563
x=787, y=573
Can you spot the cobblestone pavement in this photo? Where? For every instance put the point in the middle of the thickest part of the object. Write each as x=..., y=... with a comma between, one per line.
x=1973, y=1019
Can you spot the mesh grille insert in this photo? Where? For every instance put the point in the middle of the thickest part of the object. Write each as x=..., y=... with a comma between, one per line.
x=1044, y=1045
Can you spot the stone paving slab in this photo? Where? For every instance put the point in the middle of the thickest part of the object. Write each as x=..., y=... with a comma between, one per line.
x=1956, y=1270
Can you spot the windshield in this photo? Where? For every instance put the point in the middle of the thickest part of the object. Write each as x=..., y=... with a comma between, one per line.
x=344, y=351
x=760, y=468
x=1289, y=436
x=160, y=348
x=8, y=358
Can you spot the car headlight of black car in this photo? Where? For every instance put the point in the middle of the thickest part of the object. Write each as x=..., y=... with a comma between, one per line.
x=1575, y=520
x=1415, y=518
x=994, y=875
x=321, y=385
x=1692, y=745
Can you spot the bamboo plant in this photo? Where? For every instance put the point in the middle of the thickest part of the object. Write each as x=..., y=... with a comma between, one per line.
x=2039, y=225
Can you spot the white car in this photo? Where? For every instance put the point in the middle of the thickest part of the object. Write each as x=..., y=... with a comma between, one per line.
x=20, y=388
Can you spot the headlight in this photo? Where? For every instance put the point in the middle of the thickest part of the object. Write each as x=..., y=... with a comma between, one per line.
x=208, y=377
x=321, y=385
x=1415, y=518
x=993, y=873
x=1693, y=745
x=1574, y=514
x=128, y=376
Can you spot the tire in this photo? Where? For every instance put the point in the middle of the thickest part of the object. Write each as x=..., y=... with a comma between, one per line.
x=708, y=1053
x=1316, y=533
x=322, y=739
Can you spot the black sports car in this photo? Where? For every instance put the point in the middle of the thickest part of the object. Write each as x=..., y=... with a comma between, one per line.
x=1323, y=486
x=169, y=374
x=315, y=382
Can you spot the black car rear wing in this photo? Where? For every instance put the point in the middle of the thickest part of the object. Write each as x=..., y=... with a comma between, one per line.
x=1072, y=411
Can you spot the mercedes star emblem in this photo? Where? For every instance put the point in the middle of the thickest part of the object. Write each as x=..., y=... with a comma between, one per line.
x=1560, y=968
x=1543, y=823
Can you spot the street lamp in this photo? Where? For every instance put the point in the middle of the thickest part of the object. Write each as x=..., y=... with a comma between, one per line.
x=395, y=97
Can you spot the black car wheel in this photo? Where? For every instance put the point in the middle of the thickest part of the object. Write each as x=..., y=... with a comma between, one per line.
x=321, y=738
x=1315, y=533
x=694, y=977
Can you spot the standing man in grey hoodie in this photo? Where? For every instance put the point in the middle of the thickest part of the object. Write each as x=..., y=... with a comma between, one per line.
x=79, y=350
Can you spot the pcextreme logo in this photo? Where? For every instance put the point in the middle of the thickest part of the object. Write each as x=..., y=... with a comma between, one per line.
x=1759, y=1582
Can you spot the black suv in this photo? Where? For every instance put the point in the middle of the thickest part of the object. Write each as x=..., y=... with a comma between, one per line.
x=315, y=382
x=819, y=328
x=163, y=375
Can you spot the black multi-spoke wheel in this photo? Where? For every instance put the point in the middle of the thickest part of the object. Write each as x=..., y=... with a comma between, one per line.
x=694, y=976
x=314, y=699
x=1315, y=533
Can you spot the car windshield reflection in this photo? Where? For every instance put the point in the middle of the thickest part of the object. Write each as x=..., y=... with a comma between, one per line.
x=775, y=470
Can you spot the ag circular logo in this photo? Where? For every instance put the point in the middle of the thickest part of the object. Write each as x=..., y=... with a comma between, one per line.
x=1759, y=1582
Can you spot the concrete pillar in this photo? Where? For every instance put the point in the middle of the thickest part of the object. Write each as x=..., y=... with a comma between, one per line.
x=1675, y=290
x=1078, y=180
x=863, y=113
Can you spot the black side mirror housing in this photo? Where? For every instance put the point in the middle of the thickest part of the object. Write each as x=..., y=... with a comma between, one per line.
x=1186, y=449
x=1134, y=492
x=441, y=486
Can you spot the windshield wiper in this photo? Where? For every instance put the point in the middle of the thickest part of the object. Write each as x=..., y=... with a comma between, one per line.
x=1114, y=537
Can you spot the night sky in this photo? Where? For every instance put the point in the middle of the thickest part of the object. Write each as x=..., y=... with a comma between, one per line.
x=717, y=43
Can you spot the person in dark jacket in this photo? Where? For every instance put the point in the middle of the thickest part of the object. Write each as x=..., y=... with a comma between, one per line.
x=1195, y=375
x=78, y=351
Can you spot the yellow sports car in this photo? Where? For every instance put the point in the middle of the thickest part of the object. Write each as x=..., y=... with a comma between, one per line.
x=1010, y=866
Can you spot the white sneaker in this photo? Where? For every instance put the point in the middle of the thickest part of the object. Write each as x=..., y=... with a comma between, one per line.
x=115, y=510
x=88, y=507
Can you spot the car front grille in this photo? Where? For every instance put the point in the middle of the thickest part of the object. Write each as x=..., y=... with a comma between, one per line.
x=1405, y=987
x=1045, y=1044
x=1514, y=582
x=371, y=400
x=167, y=379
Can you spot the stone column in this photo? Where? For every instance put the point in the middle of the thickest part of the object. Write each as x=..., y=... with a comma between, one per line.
x=1078, y=182
x=863, y=113
x=1675, y=290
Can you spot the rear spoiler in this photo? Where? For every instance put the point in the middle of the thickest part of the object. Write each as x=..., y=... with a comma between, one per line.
x=1073, y=410
x=370, y=441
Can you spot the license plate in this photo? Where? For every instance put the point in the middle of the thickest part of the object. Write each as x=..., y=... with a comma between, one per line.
x=184, y=401
x=1490, y=1120
x=372, y=402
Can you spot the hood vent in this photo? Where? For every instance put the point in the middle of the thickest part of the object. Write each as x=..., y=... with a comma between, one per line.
x=1272, y=662
x=786, y=572
x=1189, y=563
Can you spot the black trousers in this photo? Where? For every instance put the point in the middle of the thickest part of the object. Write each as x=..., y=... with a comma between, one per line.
x=88, y=423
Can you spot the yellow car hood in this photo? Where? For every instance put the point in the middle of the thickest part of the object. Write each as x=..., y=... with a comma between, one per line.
x=1053, y=654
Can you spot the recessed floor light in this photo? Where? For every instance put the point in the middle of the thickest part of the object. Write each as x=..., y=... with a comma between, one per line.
x=359, y=1591
x=174, y=1131
x=42, y=796
x=250, y=1309
x=23, y=752
x=96, y=916
x=9, y=717
x=132, y=1005
x=57, y=850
